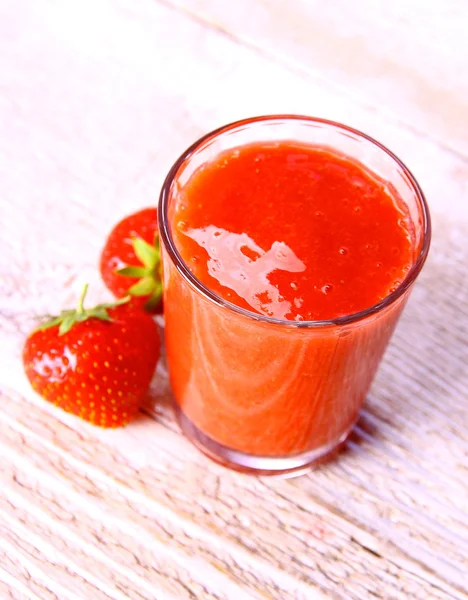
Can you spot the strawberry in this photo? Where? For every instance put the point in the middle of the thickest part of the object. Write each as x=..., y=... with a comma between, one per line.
x=94, y=363
x=132, y=253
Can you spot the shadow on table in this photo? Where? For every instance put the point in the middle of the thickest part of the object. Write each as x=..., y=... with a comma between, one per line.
x=159, y=399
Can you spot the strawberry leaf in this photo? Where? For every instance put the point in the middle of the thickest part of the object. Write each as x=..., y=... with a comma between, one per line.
x=68, y=318
x=149, y=275
x=67, y=324
x=143, y=287
x=148, y=254
x=118, y=302
x=52, y=322
x=138, y=272
x=99, y=313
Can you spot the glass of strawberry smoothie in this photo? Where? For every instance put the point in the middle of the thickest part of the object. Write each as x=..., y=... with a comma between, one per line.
x=290, y=246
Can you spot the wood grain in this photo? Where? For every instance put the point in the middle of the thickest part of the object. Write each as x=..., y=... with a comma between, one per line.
x=200, y=516
x=385, y=55
x=98, y=99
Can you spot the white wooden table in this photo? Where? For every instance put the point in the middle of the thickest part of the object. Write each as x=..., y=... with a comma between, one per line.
x=97, y=99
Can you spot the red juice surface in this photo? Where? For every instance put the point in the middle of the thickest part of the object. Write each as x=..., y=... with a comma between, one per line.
x=298, y=233
x=293, y=232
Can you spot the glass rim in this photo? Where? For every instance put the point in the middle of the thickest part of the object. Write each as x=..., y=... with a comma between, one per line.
x=182, y=268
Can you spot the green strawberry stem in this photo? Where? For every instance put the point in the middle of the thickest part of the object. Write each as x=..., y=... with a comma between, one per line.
x=70, y=317
x=84, y=291
x=148, y=275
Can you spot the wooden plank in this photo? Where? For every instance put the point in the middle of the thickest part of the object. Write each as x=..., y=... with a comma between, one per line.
x=406, y=60
x=293, y=541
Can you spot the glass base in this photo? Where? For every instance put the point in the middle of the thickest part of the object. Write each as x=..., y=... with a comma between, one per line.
x=285, y=466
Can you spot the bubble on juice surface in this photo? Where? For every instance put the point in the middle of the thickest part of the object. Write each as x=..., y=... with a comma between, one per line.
x=395, y=286
x=343, y=251
x=372, y=247
x=327, y=288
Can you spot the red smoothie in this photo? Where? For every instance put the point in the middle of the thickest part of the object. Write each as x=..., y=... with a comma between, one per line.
x=293, y=232
x=286, y=267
